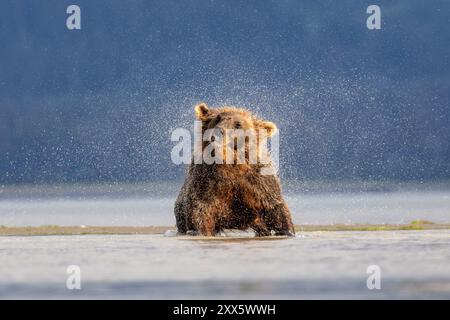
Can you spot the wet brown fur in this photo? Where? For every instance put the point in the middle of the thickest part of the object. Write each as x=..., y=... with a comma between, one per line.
x=231, y=196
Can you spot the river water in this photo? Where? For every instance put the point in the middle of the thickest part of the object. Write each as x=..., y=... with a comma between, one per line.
x=413, y=264
x=318, y=208
x=331, y=265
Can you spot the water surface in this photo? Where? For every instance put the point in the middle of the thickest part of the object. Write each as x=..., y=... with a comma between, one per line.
x=414, y=264
x=317, y=208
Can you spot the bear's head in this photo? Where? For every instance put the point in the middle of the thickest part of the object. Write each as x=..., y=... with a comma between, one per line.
x=237, y=133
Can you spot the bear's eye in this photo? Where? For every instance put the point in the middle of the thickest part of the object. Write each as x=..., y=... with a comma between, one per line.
x=218, y=118
x=237, y=125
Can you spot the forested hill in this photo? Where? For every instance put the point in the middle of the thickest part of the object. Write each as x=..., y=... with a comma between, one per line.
x=98, y=104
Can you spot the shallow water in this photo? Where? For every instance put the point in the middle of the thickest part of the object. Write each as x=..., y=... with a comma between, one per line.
x=414, y=264
x=321, y=208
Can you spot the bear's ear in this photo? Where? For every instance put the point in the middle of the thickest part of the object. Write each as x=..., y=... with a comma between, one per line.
x=201, y=111
x=270, y=127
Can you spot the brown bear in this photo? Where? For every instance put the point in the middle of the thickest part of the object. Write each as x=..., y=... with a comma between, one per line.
x=221, y=196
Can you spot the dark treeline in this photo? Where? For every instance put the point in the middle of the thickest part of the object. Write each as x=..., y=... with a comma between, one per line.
x=98, y=104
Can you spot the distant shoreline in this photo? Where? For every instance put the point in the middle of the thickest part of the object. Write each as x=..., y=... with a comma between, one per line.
x=48, y=230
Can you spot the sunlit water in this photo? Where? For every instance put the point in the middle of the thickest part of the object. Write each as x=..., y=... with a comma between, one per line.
x=320, y=208
x=413, y=264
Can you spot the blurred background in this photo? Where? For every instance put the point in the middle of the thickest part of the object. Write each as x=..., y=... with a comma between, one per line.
x=358, y=109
